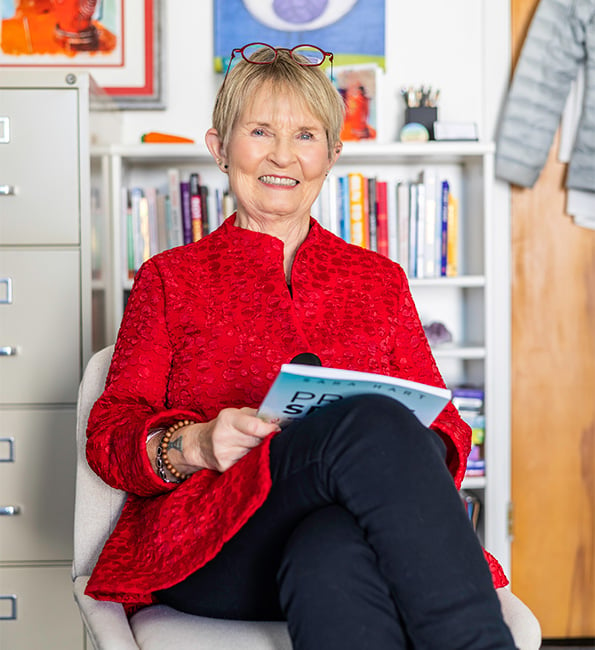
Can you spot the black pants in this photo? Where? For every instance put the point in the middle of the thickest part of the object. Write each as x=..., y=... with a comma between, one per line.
x=361, y=543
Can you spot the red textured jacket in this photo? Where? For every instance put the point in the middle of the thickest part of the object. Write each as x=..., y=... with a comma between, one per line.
x=207, y=326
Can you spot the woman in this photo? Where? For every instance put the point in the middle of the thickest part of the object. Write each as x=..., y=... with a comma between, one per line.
x=347, y=524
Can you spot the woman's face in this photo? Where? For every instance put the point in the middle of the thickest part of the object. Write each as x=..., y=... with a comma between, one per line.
x=278, y=158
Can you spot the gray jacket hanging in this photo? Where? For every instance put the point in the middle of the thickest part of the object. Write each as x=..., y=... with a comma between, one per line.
x=561, y=39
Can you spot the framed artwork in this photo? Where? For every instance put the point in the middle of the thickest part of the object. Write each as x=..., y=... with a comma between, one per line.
x=359, y=85
x=117, y=41
x=354, y=30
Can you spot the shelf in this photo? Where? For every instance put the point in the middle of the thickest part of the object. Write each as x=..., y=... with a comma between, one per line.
x=462, y=281
x=448, y=351
x=353, y=152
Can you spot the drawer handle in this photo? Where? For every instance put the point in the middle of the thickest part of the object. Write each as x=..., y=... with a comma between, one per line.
x=7, y=190
x=8, y=351
x=10, y=511
x=9, y=458
x=13, y=608
x=7, y=298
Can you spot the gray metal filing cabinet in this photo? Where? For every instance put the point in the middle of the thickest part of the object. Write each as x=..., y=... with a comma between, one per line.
x=45, y=340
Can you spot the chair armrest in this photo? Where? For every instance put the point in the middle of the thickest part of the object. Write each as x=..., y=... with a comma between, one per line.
x=105, y=622
x=523, y=624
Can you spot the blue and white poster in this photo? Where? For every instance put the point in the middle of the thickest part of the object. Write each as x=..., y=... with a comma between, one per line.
x=353, y=30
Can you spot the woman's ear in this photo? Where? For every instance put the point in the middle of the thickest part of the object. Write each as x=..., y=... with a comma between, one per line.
x=335, y=154
x=215, y=147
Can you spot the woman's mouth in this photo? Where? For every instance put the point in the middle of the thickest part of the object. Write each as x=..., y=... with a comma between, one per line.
x=281, y=181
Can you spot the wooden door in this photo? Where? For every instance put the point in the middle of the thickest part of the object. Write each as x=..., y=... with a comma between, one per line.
x=553, y=398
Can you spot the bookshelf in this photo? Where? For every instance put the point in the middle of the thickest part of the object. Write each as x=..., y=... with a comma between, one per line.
x=474, y=304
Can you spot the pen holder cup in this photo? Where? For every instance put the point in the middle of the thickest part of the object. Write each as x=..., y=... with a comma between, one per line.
x=425, y=115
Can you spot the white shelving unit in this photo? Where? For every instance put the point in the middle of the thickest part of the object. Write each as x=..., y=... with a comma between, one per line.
x=474, y=305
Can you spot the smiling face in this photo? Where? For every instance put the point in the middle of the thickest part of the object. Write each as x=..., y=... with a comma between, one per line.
x=277, y=158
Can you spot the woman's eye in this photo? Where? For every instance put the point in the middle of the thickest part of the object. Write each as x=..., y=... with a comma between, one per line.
x=258, y=132
x=306, y=135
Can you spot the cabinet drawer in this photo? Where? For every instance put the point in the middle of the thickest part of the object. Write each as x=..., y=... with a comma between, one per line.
x=39, y=326
x=39, y=167
x=37, y=477
x=37, y=610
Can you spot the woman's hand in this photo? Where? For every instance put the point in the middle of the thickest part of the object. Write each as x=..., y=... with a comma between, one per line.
x=217, y=444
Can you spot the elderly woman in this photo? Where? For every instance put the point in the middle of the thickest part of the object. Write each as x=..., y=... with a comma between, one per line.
x=348, y=523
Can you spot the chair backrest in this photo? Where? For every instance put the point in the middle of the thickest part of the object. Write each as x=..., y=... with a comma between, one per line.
x=97, y=505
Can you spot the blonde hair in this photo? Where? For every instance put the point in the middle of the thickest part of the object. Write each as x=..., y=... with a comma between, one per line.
x=307, y=83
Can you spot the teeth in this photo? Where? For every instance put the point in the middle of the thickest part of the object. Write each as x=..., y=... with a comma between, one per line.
x=275, y=180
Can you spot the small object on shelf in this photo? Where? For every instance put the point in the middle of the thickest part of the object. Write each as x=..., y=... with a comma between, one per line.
x=421, y=107
x=455, y=131
x=414, y=132
x=157, y=136
x=437, y=333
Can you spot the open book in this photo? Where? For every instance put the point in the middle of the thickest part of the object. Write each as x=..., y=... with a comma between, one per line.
x=301, y=389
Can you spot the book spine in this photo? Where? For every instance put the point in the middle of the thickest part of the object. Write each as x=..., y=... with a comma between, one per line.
x=372, y=205
x=186, y=212
x=151, y=196
x=430, y=191
x=196, y=224
x=413, y=189
x=344, y=214
x=403, y=218
x=444, y=227
x=382, y=218
x=204, y=209
x=452, y=259
x=356, y=209
x=176, y=235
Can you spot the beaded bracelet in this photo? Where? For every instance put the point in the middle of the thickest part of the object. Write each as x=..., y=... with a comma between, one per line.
x=163, y=461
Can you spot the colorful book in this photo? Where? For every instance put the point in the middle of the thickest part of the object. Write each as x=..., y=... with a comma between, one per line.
x=300, y=390
x=196, y=223
x=444, y=194
x=371, y=204
x=357, y=208
x=186, y=211
x=452, y=244
x=382, y=231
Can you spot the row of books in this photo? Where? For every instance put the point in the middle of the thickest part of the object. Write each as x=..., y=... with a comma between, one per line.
x=413, y=222
x=469, y=402
x=179, y=212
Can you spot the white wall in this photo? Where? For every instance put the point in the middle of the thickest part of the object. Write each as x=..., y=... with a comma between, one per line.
x=459, y=46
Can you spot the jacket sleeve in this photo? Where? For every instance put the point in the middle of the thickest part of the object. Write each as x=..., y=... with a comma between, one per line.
x=413, y=359
x=134, y=398
x=549, y=61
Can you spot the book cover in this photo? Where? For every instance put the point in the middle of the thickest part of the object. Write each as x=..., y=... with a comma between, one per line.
x=300, y=390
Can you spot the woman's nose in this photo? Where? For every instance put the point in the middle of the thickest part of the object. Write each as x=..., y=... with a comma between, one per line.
x=282, y=152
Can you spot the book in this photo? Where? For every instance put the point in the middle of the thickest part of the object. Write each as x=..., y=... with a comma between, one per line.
x=174, y=221
x=382, y=230
x=186, y=213
x=452, y=236
x=357, y=208
x=299, y=390
x=196, y=208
